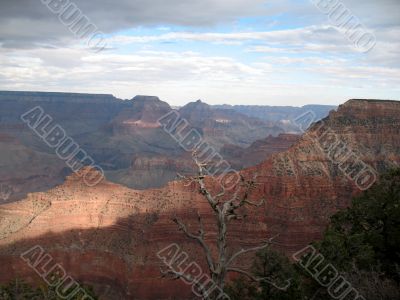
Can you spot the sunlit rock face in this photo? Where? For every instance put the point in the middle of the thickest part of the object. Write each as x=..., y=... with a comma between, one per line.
x=109, y=235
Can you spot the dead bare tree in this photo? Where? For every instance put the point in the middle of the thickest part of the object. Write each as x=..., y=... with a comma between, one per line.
x=221, y=262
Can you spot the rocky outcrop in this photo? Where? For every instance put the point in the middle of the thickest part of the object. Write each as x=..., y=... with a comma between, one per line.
x=227, y=126
x=27, y=163
x=115, y=133
x=320, y=174
x=259, y=151
x=146, y=171
x=108, y=235
x=143, y=112
x=23, y=169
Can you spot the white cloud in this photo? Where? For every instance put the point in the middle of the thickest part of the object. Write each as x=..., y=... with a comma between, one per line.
x=179, y=77
x=311, y=61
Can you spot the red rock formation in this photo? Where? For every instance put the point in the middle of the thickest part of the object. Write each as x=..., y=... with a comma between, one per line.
x=304, y=186
x=108, y=235
x=144, y=112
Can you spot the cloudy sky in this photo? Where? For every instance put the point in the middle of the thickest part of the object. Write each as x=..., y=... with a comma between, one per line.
x=288, y=52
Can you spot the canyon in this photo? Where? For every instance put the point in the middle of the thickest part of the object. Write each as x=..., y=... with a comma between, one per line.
x=122, y=136
x=109, y=235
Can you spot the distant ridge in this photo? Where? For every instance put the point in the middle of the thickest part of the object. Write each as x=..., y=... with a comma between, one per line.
x=29, y=93
x=373, y=100
x=57, y=96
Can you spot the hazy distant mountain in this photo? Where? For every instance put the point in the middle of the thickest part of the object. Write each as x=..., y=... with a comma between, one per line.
x=258, y=151
x=124, y=137
x=284, y=116
x=227, y=126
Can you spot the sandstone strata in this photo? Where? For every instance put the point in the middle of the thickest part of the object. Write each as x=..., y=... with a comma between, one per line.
x=108, y=235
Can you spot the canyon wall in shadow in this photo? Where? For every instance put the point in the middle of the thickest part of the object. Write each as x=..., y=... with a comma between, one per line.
x=109, y=235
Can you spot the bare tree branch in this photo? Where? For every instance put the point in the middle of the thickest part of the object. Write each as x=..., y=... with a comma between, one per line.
x=254, y=249
x=178, y=275
x=261, y=279
x=224, y=211
x=203, y=190
x=183, y=177
x=200, y=239
x=222, y=193
x=249, y=186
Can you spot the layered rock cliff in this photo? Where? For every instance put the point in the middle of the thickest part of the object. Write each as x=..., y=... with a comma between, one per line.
x=227, y=126
x=108, y=235
x=259, y=151
x=122, y=136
